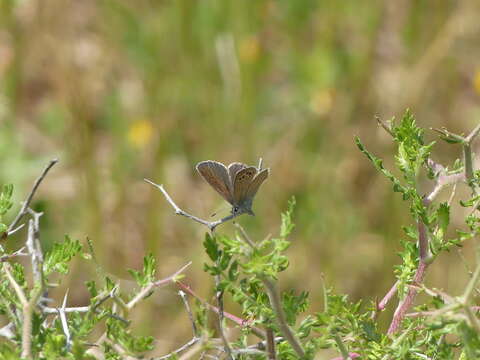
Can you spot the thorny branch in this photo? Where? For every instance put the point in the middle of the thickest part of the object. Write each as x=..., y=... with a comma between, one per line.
x=210, y=224
x=195, y=339
x=26, y=203
x=240, y=322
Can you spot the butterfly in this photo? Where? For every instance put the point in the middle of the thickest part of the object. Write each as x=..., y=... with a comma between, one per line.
x=237, y=184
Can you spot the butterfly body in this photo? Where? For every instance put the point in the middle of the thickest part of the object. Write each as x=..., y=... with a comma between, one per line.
x=237, y=184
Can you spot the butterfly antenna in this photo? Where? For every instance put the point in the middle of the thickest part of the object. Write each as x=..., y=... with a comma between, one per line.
x=260, y=162
x=219, y=209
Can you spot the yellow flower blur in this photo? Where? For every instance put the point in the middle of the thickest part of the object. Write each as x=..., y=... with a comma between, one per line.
x=476, y=81
x=140, y=133
x=249, y=49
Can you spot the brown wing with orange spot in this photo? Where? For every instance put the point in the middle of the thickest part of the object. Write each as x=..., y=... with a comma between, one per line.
x=257, y=181
x=242, y=182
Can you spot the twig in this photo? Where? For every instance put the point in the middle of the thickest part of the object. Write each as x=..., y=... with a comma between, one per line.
x=7, y=332
x=384, y=126
x=19, y=227
x=189, y=311
x=271, y=355
x=81, y=309
x=26, y=203
x=351, y=355
x=182, y=348
x=210, y=224
x=471, y=285
x=407, y=302
x=422, y=230
x=195, y=337
x=468, y=158
x=245, y=236
x=19, y=252
x=63, y=321
x=221, y=331
x=35, y=251
x=383, y=304
x=119, y=349
x=147, y=289
x=275, y=302
x=18, y=290
x=239, y=321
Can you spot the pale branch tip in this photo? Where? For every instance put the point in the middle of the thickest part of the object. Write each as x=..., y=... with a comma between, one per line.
x=210, y=224
x=384, y=125
x=26, y=203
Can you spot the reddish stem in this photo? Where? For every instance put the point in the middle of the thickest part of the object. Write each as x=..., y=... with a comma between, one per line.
x=409, y=298
x=383, y=304
x=235, y=319
x=351, y=355
x=419, y=274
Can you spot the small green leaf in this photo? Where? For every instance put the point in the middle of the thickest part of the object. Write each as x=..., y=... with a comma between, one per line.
x=58, y=257
x=211, y=247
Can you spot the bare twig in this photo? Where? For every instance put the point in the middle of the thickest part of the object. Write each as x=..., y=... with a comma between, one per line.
x=195, y=337
x=189, y=312
x=81, y=309
x=18, y=228
x=19, y=252
x=7, y=332
x=271, y=354
x=221, y=331
x=26, y=203
x=182, y=348
x=384, y=125
x=245, y=236
x=383, y=304
x=210, y=224
x=468, y=158
x=18, y=290
x=34, y=249
x=63, y=320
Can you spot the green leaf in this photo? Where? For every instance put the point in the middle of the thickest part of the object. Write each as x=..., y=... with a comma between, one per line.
x=6, y=202
x=211, y=247
x=58, y=257
x=147, y=275
x=378, y=164
x=287, y=223
x=443, y=215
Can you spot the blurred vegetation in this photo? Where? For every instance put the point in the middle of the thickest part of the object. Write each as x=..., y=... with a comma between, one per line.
x=122, y=90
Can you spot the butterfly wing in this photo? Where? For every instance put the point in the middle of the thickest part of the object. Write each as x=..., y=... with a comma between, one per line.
x=256, y=182
x=233, y=169
x=216, y=175
x=242, y=181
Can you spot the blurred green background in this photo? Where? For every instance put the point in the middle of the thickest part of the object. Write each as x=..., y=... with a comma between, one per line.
x=122, y=90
